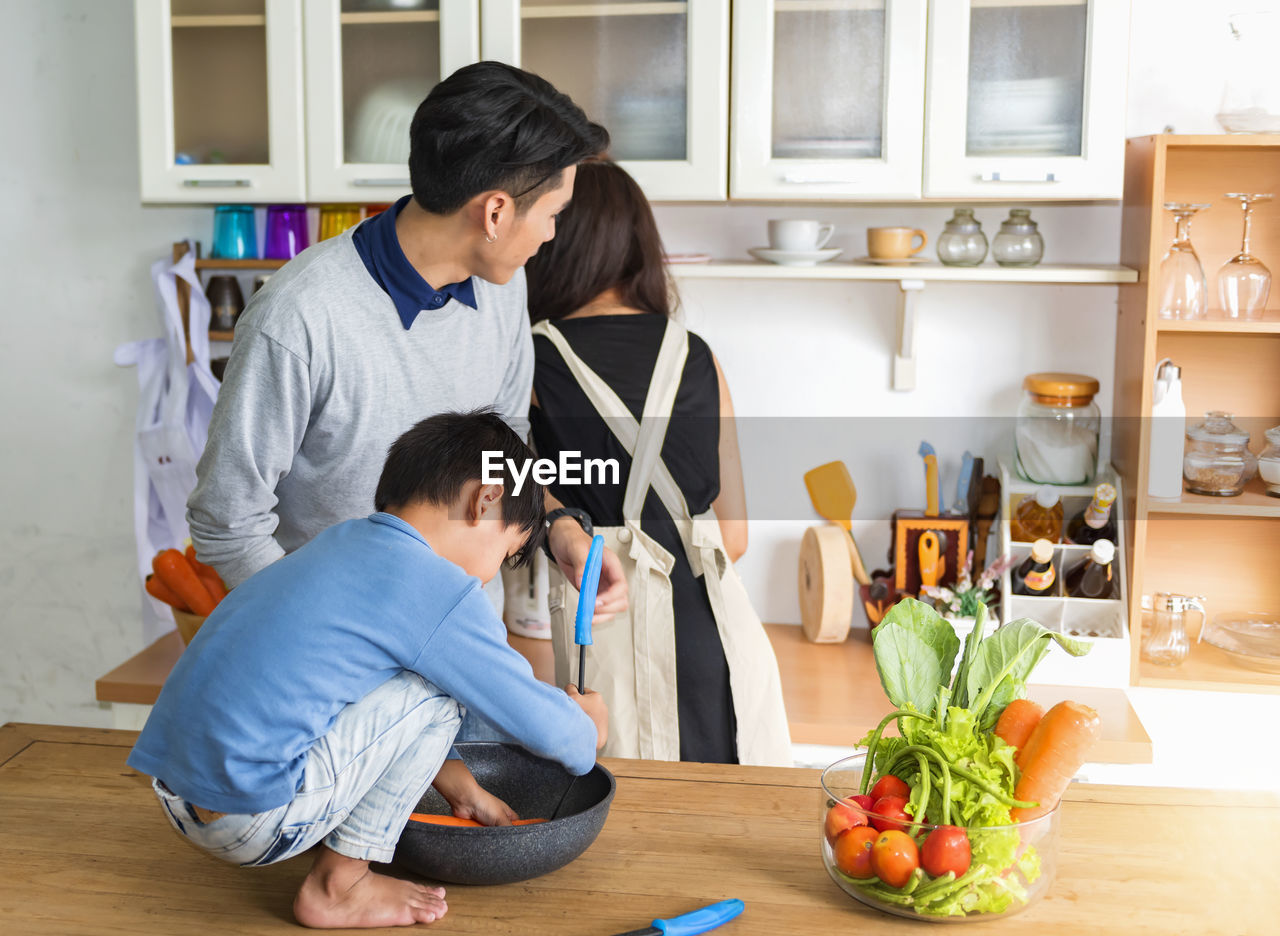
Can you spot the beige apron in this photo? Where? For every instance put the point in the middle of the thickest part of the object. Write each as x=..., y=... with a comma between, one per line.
x=632, y=661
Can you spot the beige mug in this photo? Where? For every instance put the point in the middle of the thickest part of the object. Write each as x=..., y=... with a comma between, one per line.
x=894, y=243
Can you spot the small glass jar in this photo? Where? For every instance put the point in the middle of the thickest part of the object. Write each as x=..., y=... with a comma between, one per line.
x=1019, y=243
x=1216, y=459
x=1056, y=438
x=962, y=242
x=1269, y=462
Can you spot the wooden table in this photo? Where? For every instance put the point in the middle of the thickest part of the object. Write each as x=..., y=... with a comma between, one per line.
x=85, y=850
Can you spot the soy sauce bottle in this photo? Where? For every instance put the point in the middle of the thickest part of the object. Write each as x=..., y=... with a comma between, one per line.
x=1093, y=577
x=1095, y=522
x=1036, y=576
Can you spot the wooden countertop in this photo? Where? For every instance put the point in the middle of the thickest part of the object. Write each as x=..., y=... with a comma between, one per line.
x=85, y=850
x=833, y=696
x=832, y=692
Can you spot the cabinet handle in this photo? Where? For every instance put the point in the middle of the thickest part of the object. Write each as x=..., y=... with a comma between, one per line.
x=217, y=183
x=380, y=183
x=1001, y=177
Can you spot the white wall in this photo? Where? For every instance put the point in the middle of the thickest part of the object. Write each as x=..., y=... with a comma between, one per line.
x=76, y=247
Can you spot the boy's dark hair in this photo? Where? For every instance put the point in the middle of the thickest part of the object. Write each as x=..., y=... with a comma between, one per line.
x=493, y=126
x=434, y=460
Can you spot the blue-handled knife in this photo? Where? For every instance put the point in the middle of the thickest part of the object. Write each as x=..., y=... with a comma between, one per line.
x=690, y=924
x=587, y=604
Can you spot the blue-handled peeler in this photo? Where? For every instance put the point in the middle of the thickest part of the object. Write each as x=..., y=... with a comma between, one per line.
x=587, y=605
x=690, y=924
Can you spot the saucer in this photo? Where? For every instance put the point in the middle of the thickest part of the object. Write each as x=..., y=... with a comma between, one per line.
x=892, y=261
x=795, y=257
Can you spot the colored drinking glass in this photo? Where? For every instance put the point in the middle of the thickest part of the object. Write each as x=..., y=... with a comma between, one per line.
x=286, y=231
x=235, y=236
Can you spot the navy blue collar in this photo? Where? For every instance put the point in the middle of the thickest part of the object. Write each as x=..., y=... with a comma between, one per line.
x=376, y=242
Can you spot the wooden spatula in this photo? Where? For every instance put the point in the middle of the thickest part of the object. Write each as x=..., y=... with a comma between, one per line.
x=834, y=496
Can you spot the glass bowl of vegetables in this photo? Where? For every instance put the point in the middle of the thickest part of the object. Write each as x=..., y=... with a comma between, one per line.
x=945, y=868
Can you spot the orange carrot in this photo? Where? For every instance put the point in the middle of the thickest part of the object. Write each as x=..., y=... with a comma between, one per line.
x=158, y=589
x=1017, y=721
x=211, y=581
x=172, y=568
x=1057, y=747
x=200, y=567
x=465, y=823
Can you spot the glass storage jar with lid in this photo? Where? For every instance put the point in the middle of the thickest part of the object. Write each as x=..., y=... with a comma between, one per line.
x=1056, y=438
x=1018, y=243
x=962, y=242
x=1269, y=462
x=1216, y=460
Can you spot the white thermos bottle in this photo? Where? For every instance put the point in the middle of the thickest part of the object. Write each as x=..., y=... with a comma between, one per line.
x=1168, y=433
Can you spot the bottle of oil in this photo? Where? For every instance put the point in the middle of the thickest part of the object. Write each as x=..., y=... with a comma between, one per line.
x=1038, y=517
x=1095, y=522
x=1036, y=577
x=1093, y=576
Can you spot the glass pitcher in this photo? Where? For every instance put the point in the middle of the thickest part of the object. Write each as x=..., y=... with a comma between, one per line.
x=1165, y=641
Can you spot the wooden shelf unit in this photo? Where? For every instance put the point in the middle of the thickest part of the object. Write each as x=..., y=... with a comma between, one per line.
x=1226, y=549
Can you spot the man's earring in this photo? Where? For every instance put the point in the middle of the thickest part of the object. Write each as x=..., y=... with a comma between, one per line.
x=490, y=240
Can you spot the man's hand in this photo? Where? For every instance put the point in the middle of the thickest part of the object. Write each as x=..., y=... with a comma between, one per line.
x=468, y=799
x=570, y=544
x=592, y=703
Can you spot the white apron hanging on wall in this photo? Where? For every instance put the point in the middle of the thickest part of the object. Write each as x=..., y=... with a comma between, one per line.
x=174, y=405
x=633, y=656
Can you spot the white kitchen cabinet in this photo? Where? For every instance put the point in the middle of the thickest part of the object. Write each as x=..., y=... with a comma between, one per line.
x=1026, y=99
x=655, y=74
x=828, y=99
x=220, y=100
x=369, y=64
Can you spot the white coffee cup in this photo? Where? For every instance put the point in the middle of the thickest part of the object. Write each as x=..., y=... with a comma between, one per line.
x=799, y=235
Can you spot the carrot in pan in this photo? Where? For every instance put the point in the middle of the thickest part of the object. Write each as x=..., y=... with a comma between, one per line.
x=1017, y=721
x=172, y=568
x=1057, y=747
x=464, y=823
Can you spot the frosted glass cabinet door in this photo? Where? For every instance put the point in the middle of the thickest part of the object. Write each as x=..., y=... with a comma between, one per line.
x=219, y=100
x=369, y=64
x=655, y=74
x=828, y=98
x=1026, y=98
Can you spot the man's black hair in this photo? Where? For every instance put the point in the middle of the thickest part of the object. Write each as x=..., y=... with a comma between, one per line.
x=434, y=460
x=493, y=126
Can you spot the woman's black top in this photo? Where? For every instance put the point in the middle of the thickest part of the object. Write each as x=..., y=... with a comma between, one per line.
x=623, y=350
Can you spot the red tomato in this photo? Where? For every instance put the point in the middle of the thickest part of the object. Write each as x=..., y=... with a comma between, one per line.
x=894, y=856
x=841, y=818
x=946, y=849
x=889, y=785
x=853, y=852
x=863, y=800
x=889, y=812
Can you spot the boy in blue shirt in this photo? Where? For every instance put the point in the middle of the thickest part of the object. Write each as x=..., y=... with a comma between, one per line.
x=320, y=699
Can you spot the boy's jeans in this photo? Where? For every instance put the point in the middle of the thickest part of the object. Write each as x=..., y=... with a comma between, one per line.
x=360, y=783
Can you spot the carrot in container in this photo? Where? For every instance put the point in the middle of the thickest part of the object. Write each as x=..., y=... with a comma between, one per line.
x=162, y=592
x=211, y=581
x=200, y=567
x=433, y=819
x=1057, y=747
x=172, y=568
x=1017, y=721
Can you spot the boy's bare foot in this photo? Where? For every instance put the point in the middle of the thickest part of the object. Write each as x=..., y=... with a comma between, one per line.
x=343, y=892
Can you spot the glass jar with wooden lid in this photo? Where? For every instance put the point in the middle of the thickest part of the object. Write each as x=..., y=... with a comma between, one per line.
x=1058, y=427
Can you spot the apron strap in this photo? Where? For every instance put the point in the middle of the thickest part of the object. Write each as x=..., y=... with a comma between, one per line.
x=628, y=431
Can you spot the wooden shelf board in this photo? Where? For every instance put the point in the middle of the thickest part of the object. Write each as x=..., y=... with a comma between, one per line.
x=936, y=272
x=138, y=679
x=1216, y=324
x=1254, y=502
x=218, y=19
x=1217, y=140
x=221, y=335
x=216, y=264
x=1208, y=668
x=376, y=17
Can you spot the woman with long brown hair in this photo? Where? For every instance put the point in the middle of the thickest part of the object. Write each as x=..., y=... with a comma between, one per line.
x=687, y=671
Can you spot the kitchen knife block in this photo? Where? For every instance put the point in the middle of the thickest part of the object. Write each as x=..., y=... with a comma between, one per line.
x=908, y=527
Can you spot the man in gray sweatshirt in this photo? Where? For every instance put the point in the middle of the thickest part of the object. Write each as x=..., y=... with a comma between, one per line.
x=350, y=343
